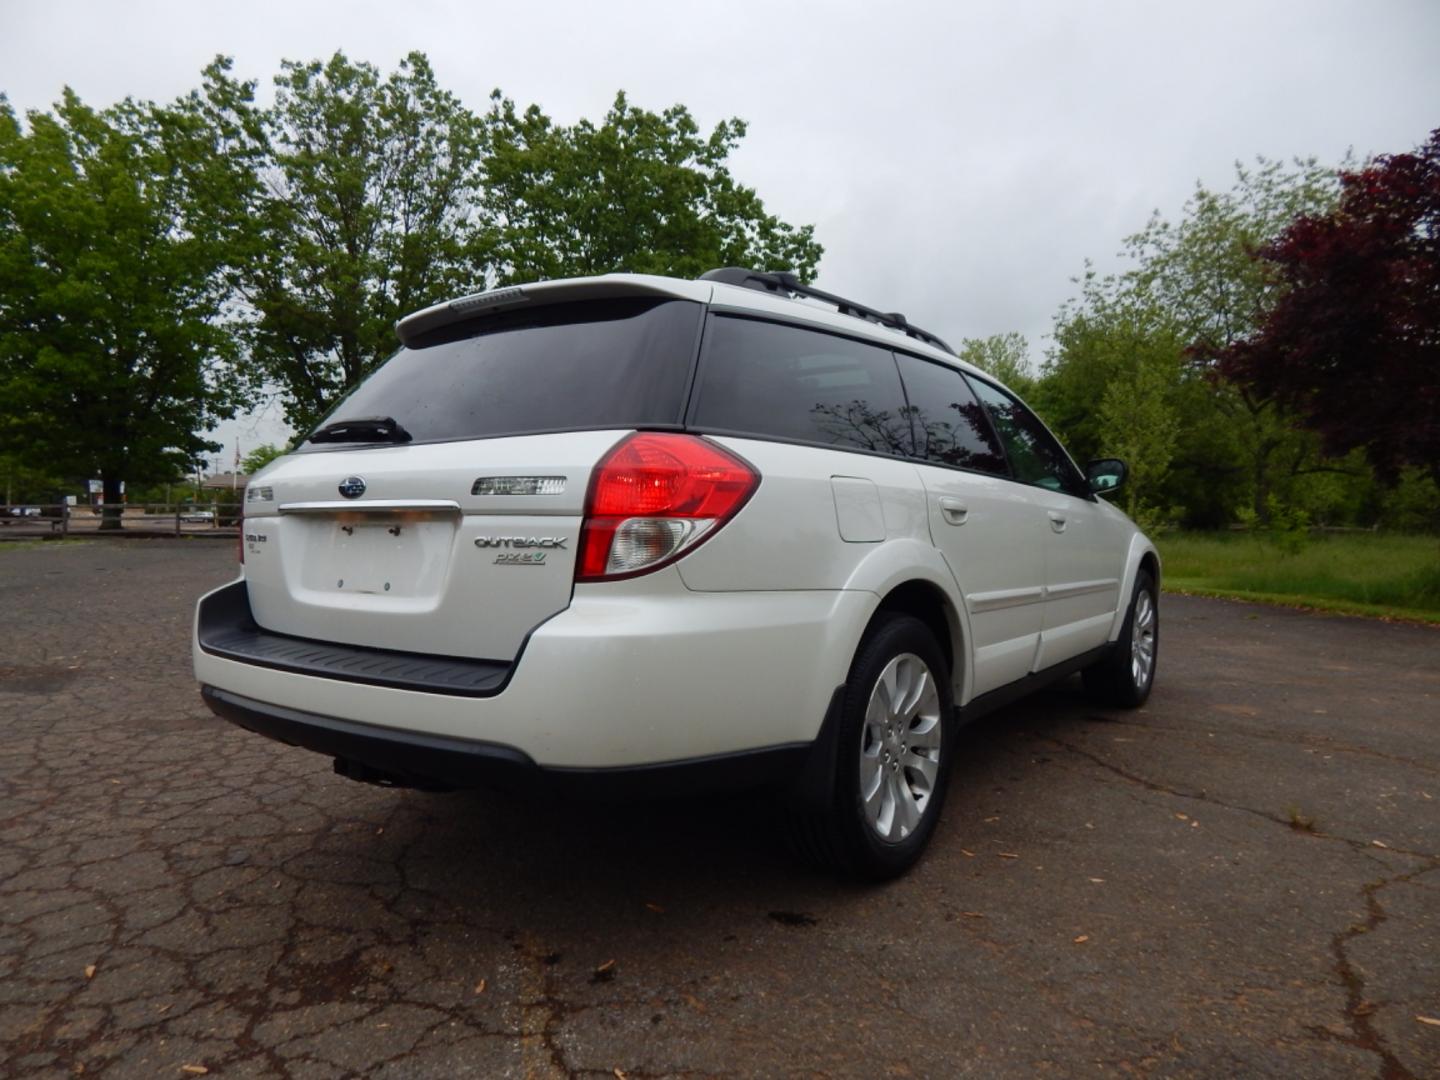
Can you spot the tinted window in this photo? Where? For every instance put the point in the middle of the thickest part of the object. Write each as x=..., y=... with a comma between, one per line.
x=594, y=364
x=766, y=379
x=949, y=424
x=1035, y=456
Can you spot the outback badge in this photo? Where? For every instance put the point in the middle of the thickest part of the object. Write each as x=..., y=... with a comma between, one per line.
x=513, y=557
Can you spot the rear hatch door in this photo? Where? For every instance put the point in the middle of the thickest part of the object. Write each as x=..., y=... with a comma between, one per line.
x=456, y=534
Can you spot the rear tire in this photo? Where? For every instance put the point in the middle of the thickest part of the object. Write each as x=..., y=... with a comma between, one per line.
x=894, y=738
x=1124, y=678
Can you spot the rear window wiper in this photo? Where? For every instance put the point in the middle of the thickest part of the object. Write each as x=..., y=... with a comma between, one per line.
x=362, y=429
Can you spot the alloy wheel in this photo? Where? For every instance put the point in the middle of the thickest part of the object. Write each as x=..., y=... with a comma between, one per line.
x=1142, y=640
x=900, y=748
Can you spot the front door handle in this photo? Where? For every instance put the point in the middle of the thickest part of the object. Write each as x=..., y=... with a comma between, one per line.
x=954, y=510
x=1057, y=521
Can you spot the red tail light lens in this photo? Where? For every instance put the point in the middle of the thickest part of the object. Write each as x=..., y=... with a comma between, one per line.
x=654, y=497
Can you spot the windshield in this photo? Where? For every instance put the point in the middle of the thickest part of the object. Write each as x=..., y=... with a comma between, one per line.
x=567, y=367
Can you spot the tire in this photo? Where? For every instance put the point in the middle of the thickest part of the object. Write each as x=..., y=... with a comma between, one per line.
x=891, y=766
x=1125, y=677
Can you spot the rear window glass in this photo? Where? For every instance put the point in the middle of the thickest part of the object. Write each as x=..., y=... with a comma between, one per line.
x=762, y=378
x=566, y=367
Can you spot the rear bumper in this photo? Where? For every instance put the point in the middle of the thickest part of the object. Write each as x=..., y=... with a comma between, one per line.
x=632, y=675
x=412, y=759
x=226, y=627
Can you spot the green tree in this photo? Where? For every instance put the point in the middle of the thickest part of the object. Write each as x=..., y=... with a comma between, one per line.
x=1005, y=356
x=642, y=192
x=112, y=355
x=258, y=458
x=1412, y=504
x=1202, y=273
x=360, y=209
x=369, y=197
x=1193, y=289
x=20, y=482
x=1137, y=424
x=1104, y=335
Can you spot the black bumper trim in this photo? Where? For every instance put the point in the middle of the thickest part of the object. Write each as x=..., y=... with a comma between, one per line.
x=414, y=759
x=227, y=628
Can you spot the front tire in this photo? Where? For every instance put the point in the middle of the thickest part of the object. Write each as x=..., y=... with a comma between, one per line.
x=1125, y=677
x=893, y=743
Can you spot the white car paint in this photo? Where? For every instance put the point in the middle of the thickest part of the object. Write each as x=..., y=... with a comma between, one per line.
x=739, y=645
x=631, y=672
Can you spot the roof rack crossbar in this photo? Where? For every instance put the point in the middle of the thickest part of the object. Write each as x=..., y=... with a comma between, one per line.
x=785, y=283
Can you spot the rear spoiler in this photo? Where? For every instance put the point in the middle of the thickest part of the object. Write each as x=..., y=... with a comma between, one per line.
x=412, y=328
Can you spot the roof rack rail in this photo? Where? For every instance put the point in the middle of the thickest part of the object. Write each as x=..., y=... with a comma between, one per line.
x=786, y=284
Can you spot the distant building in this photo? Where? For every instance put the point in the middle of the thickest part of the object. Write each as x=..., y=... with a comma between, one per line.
x=225, y=481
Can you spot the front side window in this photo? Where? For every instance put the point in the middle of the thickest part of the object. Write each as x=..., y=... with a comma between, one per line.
x=764, y=378
x=949, y=424
x=1035, y=456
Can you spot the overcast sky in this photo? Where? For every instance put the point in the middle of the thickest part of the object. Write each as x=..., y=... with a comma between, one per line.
x=959, y=160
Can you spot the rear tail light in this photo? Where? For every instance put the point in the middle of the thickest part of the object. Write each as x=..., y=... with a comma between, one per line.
x=654, y=497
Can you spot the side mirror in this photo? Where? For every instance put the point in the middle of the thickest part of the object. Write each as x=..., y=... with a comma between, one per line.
x=1106, y=475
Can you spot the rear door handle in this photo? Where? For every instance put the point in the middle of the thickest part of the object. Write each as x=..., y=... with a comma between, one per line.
x=1057, y=521
x=954, y=510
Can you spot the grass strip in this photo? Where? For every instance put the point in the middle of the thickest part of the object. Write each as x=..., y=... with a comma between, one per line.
x=1376, y=574
x=1331, y=605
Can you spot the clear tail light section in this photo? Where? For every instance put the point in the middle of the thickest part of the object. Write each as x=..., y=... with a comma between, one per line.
x=654, y=497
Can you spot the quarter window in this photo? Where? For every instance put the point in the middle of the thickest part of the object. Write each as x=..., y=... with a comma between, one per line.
x=1035, y=456
x=950, y=425
x=780, y=381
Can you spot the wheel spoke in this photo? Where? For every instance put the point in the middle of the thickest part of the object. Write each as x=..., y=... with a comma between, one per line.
x=889, y=808
x=872, y=794
x=907, y=814
x=870, y=774
x=925, y=732
x=876, y=710
x=916, y=684
x=886, y=688
x=926, y=766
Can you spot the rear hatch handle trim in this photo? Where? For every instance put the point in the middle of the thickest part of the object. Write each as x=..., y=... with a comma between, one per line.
x=374, y=506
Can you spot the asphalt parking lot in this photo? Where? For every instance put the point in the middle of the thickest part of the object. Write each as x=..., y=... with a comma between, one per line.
x=1241, y=879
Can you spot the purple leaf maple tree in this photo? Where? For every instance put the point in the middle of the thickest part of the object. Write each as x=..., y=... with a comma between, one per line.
x=1352, y=345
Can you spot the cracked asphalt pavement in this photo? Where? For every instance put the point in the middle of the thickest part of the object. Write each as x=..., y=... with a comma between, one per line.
x=1242, y=878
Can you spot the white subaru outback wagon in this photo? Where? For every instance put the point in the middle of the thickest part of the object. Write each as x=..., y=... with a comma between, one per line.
x=631, y=533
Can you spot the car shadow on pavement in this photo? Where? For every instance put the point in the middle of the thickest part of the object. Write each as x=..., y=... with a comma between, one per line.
x=543, y=858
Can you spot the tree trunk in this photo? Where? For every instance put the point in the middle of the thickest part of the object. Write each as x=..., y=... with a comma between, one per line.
x=1261, y=465
x=1261, y=505
x=114, y=508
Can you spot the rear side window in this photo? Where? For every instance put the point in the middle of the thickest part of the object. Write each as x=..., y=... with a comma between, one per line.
x=950, y=425
x=566, y=367
x=762, y=378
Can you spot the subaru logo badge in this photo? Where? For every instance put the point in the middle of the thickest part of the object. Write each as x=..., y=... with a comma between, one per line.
x=352, y=487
